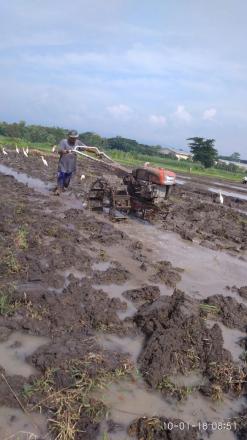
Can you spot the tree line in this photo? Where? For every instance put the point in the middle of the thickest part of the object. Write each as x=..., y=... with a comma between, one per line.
x=203, y=150
x=52, y=135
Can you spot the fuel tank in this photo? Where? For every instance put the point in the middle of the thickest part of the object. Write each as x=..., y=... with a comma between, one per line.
x=159, y=176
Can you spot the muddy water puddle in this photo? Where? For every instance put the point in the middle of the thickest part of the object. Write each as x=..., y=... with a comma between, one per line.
x=15, y=350
x=206, y=272
x=15, y=425
x=130, y=400
x=31, y=182
x=102, y=266
x=234, y=194
x=69, y=201
x=115, y=291
x=131, y=346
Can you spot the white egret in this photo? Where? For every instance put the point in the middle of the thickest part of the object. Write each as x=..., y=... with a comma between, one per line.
x=24, y=152
x=17, y=149
x=221, y=198
x=83, y=176
x=44, y=161
x=54, y=148
x=4, y=151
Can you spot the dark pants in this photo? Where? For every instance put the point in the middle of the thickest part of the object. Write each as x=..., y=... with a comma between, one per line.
x=63, y=179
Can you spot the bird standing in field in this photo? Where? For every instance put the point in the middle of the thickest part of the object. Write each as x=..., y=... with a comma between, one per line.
x=4, y=151
x=54, y=148
x=44, y=161
x=27, y=150
x=82, y=176
x=17, y=149
x=221, y=198
x=24, y=152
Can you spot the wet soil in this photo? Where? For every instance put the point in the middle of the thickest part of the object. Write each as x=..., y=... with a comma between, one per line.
x=84, y=302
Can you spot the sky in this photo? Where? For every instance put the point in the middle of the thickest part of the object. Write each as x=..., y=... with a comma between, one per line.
x=157, y=71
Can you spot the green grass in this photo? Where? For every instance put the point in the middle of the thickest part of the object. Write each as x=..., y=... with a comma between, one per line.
x=11, y=262
x=134, y=159
x=21, y=238
x=7, y=305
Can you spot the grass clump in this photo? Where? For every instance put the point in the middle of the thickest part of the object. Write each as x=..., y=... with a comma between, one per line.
x=209, y=309
x=11, y=262
x=227, y=377
x=21, y=241
x=7, y=305
x=78, y=396
x=166, y=386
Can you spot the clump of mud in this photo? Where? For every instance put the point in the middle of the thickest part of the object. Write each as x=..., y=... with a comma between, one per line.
x=243, y=292
x=157, y=429
x=166, y=273
x=178, y=341
x=226, y=309
x=194, y=216
x=241, y=425
x=142, y=295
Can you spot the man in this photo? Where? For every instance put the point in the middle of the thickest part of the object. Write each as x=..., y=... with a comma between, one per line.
x=67, y=160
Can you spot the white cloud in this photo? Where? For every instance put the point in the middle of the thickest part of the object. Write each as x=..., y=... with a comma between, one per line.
x=182, y=114
x=120, y=110
x=158, y=120
x=209, y=114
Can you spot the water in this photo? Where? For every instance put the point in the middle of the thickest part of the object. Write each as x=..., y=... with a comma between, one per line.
x=71, y=271
x=15, y=350
x=101, y=266
x=132, y=345
x=206, y=272
x=115, y=291
x=31, y=182
x=229, y=193
x=129, y=400
x=238, y=195
x=69, y=201
x=16, y=425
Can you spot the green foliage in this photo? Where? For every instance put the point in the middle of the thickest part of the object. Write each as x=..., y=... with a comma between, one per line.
x=32, y=133
x=228, y=167
x=203, y=151
x=130, y=145
x=123, y=150
x=235, y=157
x=93, y=139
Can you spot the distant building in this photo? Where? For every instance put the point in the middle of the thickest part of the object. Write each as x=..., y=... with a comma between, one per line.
x=179, y=154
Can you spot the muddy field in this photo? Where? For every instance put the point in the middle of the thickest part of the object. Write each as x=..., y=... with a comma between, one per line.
x=114, y=331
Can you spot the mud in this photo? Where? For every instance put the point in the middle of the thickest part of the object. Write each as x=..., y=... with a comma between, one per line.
x=178, y=340
x=142, y=295
x=195, y=216
x=229, y=311
x=95, y=301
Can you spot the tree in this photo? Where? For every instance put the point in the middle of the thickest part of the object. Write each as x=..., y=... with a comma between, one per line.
x=203, y=151
x=235, y=157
